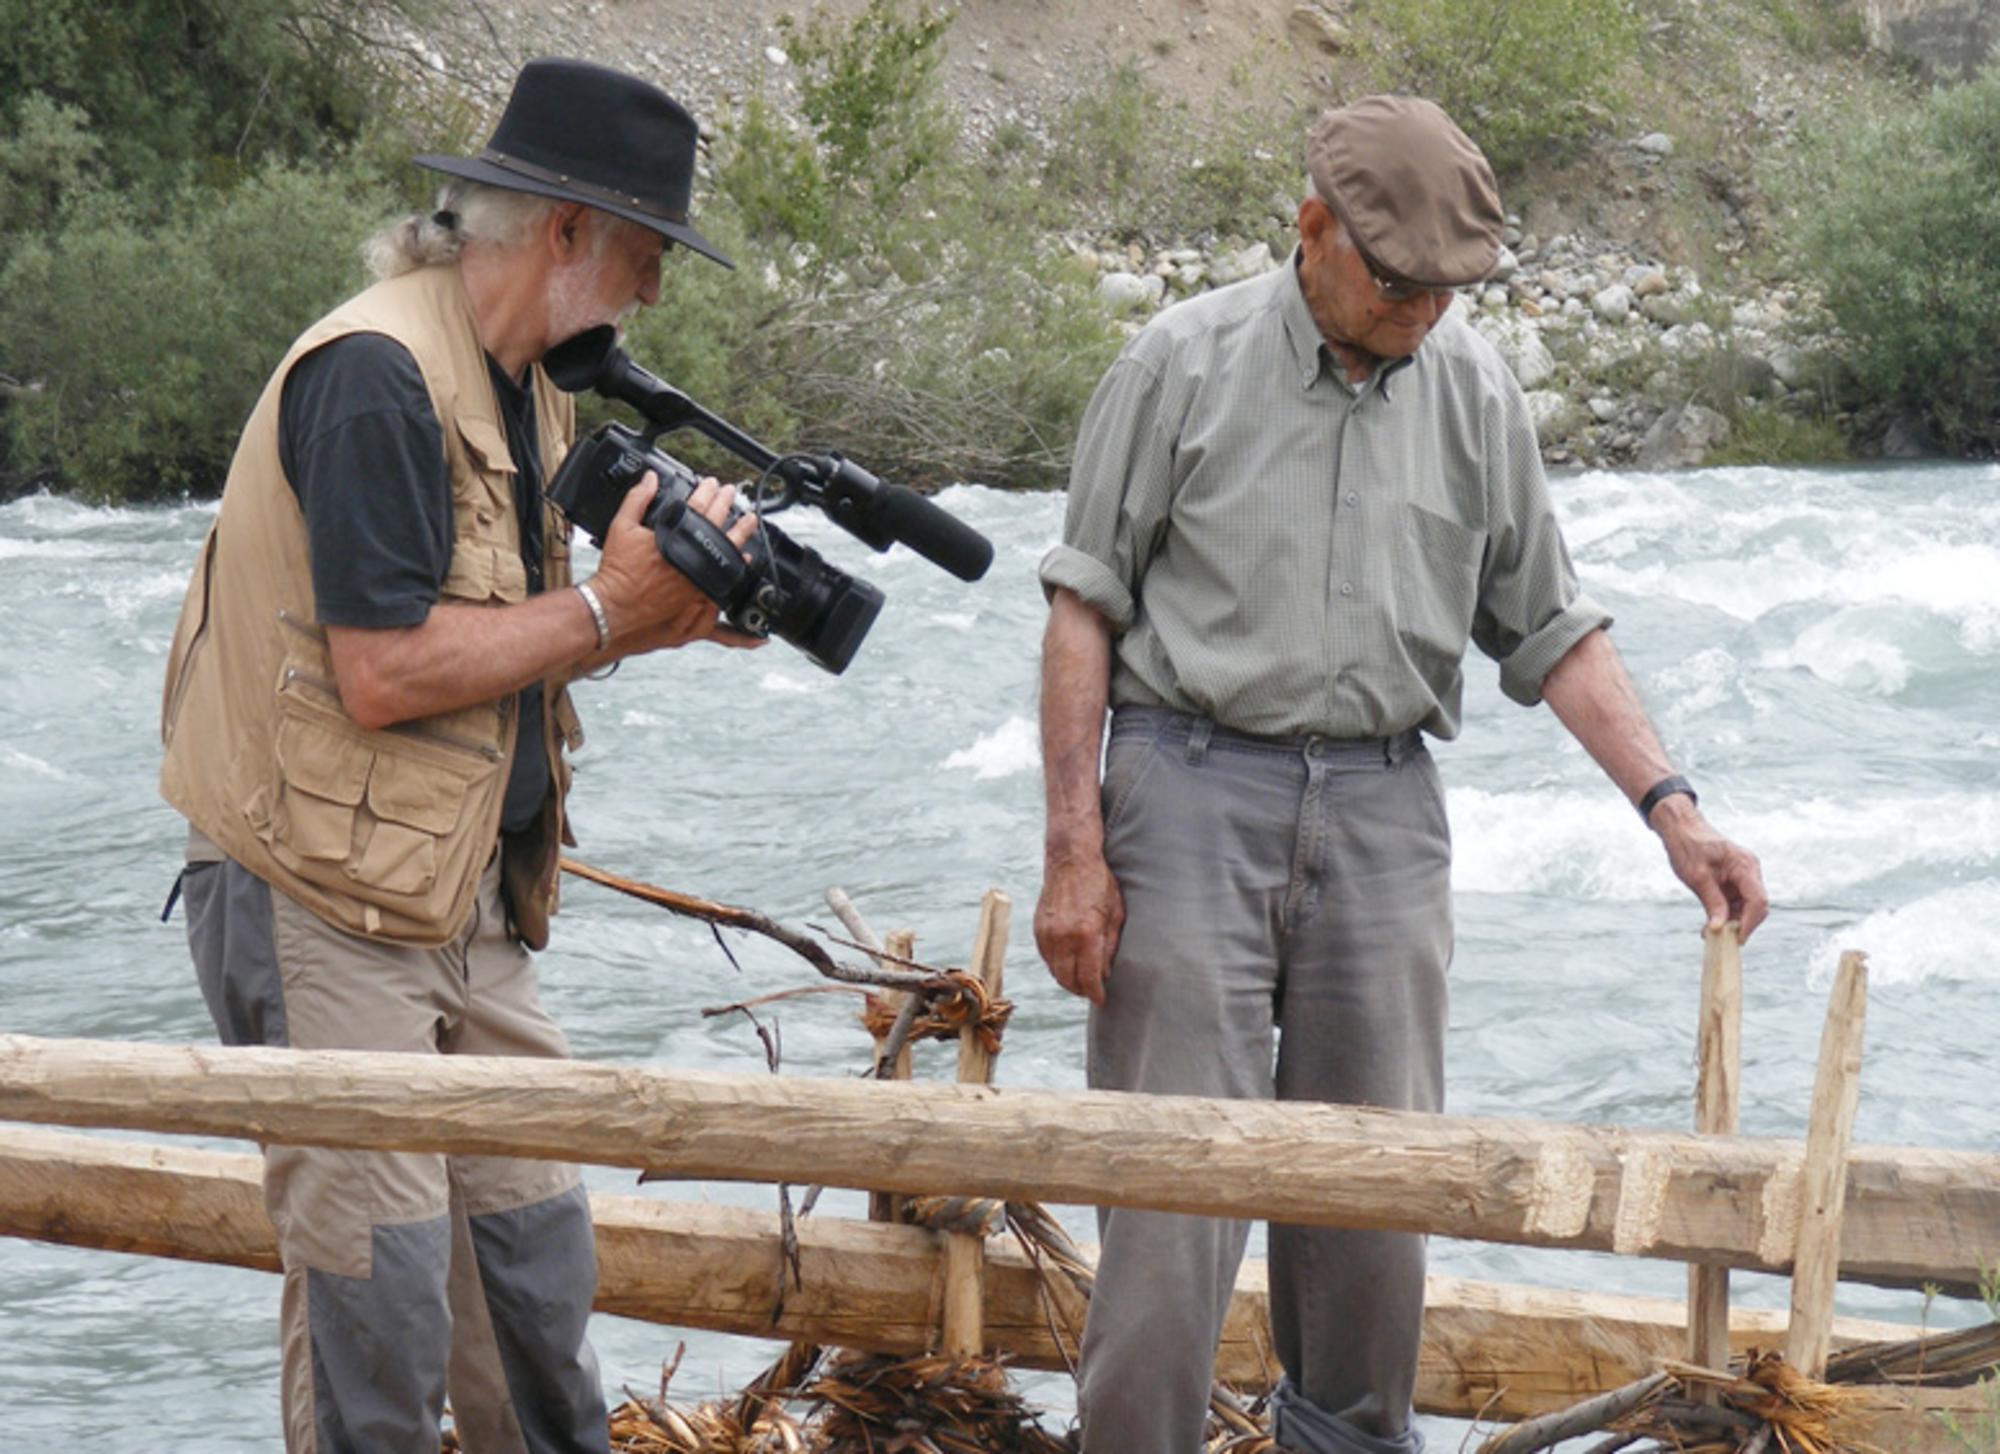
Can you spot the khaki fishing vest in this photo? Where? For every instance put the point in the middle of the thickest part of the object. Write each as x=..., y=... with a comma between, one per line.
x=381, y=833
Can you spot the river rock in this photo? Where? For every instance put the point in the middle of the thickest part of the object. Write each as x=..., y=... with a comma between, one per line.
x=1681, y=438
x=1234, y=267
x=1121, y=292
x=1550, y=409
x=1650, y=284
x=1521, y=347
x=1504, y=266
x=1312, y=29
x=1655, y=144
x=1612, y=304
x=1909, y=437
x=1789, y=365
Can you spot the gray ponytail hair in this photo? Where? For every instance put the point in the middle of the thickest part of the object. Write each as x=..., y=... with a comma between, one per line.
x=465, y=212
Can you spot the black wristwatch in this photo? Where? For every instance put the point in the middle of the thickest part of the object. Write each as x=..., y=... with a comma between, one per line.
x=1666, y=787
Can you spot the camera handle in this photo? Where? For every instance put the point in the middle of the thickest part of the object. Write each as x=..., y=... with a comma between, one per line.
x=707, y=556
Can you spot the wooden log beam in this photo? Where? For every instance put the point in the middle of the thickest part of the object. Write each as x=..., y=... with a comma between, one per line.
x=1509, y=1352
x=1912, y=1216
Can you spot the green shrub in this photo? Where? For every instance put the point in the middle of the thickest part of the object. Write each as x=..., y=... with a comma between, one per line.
x=1115, y=161
x=1896, y=217
x=895, y=300
x=1522, y=77
x=150, y=339
x=209, y=88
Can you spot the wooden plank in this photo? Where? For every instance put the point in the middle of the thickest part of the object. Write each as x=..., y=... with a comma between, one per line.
x=1836, y=1095
x=1912, y=1216
x=965, y=1252
x=1716, y=1099
x=1508, y=1351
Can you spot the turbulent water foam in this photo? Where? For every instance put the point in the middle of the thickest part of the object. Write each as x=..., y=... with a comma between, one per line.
x=1819, y=648
x=1948, y=935
x=1012, y=747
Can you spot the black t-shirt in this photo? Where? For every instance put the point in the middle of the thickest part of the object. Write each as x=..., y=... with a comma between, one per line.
x=364, y=451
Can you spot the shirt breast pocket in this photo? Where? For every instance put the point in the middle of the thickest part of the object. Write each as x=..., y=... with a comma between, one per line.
x=1437, y=587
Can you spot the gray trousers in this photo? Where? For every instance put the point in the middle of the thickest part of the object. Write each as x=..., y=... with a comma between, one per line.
x=407, y=1275
x=1298, y=888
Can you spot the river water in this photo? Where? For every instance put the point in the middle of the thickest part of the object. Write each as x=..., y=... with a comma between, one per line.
x=1821, y=650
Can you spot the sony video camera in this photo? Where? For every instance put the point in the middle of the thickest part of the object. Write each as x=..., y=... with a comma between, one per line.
x=784, y=588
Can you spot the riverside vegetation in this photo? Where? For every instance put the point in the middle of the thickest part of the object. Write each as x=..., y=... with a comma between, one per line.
x=1738, y=237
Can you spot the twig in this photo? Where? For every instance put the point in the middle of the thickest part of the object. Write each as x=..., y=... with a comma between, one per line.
x=1551, y=1429
x=757, y=923
x=805, y=989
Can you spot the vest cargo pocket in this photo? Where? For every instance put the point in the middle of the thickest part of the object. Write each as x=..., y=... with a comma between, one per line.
x=411, y=808
x=323, y=775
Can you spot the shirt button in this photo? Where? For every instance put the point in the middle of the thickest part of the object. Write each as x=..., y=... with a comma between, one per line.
x=1347, y=588
x=1353, y=498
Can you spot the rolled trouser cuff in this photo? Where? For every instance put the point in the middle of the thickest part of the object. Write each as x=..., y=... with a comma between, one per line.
x=1302, y=1427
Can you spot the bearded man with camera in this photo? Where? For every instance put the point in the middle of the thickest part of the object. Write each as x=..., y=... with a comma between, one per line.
x=365, y=717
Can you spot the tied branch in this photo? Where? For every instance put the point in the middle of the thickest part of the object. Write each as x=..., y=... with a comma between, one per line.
x=917, y=979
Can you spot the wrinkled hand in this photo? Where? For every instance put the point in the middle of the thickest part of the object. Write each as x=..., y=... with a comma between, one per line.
x=1077, y=922
x=1725, y=877
x=651, y=606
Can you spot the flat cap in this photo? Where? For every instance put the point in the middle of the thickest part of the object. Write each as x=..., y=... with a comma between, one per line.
x=1414, y=192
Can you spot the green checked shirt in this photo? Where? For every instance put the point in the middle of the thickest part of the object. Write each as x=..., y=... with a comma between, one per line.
x=1289, y=556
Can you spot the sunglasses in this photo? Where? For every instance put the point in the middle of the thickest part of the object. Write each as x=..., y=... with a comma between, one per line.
x=1394, y=291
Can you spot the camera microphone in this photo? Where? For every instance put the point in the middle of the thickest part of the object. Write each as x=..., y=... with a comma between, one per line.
x=938, y=536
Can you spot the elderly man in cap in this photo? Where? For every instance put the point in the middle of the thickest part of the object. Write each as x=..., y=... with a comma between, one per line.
x=1294, y=501
x=365, y=718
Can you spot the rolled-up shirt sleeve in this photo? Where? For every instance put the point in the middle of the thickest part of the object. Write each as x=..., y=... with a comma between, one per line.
x=1531, y=610
x=1120, y=487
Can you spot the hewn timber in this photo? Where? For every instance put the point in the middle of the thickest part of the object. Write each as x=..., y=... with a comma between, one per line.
x=1836, y=1097
x=1509, y=1351
x=1716, y=1099
x=965, y=1252
x=1912, y=1216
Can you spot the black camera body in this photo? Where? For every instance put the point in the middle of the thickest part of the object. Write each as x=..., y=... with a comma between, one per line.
x=784, y=589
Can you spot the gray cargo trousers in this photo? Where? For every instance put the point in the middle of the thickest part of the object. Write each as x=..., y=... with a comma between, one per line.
x=1291, y=888
x=407, y=1276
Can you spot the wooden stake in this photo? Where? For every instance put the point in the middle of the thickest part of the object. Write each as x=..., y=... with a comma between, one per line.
x=1823, y=1188
x=1716, y=1099
x=886, y=1206
x=964, y=1252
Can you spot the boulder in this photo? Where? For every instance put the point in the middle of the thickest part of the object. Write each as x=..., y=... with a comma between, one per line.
x=1681, y=438
x=1314, y=31
x=1521, y=347
x=1612, y=304
x=1121, y=292
x=1234, y=267
x=1550, y=409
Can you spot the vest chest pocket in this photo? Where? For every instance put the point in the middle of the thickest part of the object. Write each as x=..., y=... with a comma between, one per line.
x=371, y=820
x=481, y=572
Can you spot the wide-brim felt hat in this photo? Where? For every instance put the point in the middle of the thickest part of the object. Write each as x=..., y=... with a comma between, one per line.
x=1415, y=193
x=586, y=133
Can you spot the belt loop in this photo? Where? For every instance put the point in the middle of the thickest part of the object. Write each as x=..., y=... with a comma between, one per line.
x=1197, y=743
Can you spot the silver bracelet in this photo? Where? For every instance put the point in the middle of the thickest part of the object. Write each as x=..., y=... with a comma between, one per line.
x=596, y=613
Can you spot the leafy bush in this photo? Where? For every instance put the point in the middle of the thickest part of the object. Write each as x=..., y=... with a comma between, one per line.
x=896, y=299
x=1522, y=77
x=1896, y=217
x=152, y=339
x=1115, y=160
